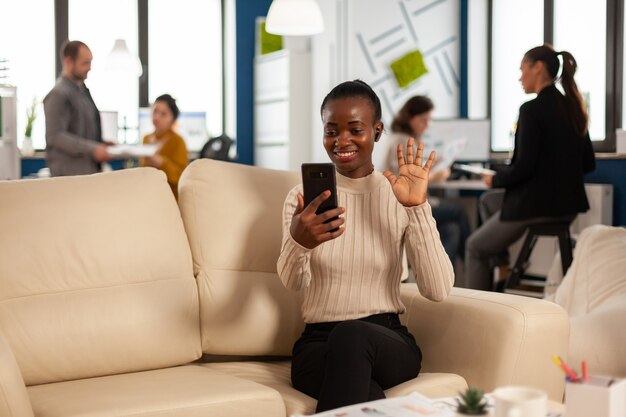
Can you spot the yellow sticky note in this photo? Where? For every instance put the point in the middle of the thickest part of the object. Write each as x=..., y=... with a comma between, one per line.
x=409, y=68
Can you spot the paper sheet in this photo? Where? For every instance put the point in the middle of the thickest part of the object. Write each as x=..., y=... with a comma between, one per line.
x=136, y=151
x=447, y=150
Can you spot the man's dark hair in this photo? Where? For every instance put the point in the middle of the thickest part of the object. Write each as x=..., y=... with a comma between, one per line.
x=171, y=103
x=69, y=49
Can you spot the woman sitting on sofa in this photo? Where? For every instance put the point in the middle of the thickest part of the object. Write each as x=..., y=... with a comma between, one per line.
x=353, y=346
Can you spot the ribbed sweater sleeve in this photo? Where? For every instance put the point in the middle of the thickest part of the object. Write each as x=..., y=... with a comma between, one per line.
x=294, y=261
x=431, y=265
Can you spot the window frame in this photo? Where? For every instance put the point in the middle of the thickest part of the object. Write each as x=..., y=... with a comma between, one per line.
x=61, y=31
x=614, y=67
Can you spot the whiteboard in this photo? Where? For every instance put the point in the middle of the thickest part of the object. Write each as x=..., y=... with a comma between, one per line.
x=475, y=132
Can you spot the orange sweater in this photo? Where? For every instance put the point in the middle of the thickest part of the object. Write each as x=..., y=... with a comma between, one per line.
x=174, y=153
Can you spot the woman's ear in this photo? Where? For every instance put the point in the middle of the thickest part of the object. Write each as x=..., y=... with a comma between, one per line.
x=378, y=131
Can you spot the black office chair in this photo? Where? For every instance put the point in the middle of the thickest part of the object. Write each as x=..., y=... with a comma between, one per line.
x=217, y=148
x=559, y=229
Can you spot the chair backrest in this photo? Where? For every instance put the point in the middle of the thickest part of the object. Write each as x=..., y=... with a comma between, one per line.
x=95, y=276
x=232, y=214
x=217, y=148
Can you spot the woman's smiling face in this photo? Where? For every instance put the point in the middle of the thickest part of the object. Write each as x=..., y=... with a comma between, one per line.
x=349, y=135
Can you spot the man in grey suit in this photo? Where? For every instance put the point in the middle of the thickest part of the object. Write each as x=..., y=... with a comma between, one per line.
x=74, y=143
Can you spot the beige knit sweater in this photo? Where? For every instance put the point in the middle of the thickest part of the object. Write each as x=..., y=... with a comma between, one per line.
x=358, y=274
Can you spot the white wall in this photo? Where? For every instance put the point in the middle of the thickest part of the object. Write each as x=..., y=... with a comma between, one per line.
x=363, y=37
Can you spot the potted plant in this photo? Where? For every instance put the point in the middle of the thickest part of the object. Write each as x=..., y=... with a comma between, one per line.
x=31, y=115
x=472, y=402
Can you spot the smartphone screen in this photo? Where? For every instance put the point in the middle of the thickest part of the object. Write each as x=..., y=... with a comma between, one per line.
x=317, y=178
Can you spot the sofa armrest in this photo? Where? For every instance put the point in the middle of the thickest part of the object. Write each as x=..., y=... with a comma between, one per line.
x=14, y=400
x=490, y=339
x=599, y=338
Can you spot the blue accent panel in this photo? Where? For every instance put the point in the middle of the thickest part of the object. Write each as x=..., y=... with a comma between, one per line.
x=611, y=171
x=463, y=99
x=32, y=165
x=245, y=16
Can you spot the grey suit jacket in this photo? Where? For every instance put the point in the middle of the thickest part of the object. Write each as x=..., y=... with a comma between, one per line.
x=72, y=129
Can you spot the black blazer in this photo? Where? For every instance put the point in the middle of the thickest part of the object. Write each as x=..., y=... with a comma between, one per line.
x=545, y=177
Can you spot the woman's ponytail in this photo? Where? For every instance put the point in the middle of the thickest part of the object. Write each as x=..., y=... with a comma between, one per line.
x=575, y=105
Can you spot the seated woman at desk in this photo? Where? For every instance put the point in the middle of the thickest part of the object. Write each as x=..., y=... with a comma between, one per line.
x=353, y=346
x=413, y=120
x=544, y=181
x=171, y=155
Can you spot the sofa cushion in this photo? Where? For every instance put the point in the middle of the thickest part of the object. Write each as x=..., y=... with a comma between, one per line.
x=277, y=375
x=14, y=399
x=594, y=294
x=96, y=276
x=232, y=214
x=597, y=271
x=186, y=391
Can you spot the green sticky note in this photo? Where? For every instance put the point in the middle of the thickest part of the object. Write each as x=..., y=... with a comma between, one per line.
x=269, y=41
x=409, y=68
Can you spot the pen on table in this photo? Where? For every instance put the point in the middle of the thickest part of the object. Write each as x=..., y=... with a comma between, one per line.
x=565, y=368
x=584, y=371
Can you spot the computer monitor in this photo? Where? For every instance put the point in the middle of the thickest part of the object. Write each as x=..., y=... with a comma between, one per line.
x=476, y=134
x=191, y=125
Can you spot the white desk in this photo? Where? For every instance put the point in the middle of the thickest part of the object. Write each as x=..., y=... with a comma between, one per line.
x=458, y=185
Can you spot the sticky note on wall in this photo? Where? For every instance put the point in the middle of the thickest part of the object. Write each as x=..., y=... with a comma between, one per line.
x=269, y=41
x=409, y=68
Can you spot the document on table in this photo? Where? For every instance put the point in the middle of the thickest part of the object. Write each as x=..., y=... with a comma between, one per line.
x=451, y=403
x=447, y=151
x=412, y=405
x=473, y=169
x=136, y=151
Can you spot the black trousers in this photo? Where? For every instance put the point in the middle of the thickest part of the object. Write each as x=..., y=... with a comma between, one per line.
x=353, y=361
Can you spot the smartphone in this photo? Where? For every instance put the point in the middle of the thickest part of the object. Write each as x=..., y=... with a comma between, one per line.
x=317, y=178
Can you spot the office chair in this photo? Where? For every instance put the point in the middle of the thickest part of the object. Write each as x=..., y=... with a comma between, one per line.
x=217, y=148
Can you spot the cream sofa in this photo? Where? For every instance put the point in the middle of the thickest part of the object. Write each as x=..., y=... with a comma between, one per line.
x=114, y=301
x=593, y=292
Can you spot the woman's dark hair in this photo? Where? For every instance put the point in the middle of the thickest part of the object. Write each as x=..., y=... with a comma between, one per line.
x=574, y=104
x=171, y=103
x=356, y=88
x=416, y=105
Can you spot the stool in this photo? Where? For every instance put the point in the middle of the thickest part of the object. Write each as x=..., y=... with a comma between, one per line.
x=559, y=229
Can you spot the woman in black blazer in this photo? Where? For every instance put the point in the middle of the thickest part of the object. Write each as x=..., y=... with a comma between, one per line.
x=544, y=181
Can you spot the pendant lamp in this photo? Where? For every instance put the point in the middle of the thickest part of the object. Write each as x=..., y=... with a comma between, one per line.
x=120, y=59
x=294, y=18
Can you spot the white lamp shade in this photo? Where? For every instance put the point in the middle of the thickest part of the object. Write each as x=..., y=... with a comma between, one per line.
x=121, y=60
x=294, y=18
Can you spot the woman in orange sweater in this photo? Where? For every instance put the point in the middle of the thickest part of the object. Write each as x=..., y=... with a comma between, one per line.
x=171, y=156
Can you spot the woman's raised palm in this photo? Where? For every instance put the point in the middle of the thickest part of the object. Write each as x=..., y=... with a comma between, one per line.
x=411, y=184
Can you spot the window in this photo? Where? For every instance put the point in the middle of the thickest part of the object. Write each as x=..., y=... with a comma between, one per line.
x=185, y=58
x=478, y=38
x=580, y=28
x=519, y=27
x=99, y=24
x=30, y=61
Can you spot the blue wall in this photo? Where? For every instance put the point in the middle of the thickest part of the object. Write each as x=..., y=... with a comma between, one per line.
x=245, y=15
x=612, y=171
